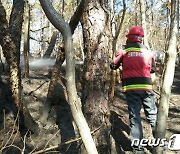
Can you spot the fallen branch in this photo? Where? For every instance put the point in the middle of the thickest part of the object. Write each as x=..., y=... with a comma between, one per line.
x=32, y=38
x=30, y=93
x=51, y=139
x=8, y=146
x=11, y=137
x=65, y=143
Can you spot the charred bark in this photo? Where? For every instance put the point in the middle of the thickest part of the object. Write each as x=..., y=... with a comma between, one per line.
x=53, y=82
x=10, y=52
x=51, y=45
x=15, y=24
x=96, y=32
x=56, y=70
x=26, y=38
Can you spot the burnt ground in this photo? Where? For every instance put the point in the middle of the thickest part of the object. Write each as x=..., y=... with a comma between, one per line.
x=35, y=90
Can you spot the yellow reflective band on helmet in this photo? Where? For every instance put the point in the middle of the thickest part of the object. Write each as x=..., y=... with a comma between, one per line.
x=136, y=87
x=133, y=49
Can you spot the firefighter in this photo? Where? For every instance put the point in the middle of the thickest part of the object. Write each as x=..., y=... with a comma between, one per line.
x=137, y=65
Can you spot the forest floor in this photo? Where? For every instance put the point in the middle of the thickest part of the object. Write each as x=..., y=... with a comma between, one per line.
x=35, y=91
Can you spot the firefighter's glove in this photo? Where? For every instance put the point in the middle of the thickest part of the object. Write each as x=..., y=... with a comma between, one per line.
x=113, y=66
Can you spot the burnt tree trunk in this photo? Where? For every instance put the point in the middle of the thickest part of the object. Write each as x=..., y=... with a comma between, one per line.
x=26, y=38
x=51, y=45
x=56, y=70
x=53, y=82
x=10, y=42
x=97, y=73
x=11, y=51
x=15, y=24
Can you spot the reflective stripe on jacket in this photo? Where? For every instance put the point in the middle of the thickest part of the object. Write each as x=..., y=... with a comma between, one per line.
x=137, y=64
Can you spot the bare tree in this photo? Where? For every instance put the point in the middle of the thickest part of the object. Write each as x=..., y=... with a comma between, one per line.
x=119, y=25
x=137, y=12
x=143, y=21
x=26, y=37
x=51, y=45
x=167, y=78
x=74, y=101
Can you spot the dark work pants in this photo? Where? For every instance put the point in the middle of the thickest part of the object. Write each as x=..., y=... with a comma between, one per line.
x=135, y=100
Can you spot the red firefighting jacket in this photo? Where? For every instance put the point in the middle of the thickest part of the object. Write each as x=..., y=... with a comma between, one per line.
x=138, y=63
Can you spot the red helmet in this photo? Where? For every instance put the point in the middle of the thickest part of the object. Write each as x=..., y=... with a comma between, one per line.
x=137, y=30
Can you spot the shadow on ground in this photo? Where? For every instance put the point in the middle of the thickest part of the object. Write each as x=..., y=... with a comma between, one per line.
x=119, y=132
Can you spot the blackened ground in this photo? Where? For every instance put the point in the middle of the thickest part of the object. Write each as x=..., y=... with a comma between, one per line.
x=9, y=132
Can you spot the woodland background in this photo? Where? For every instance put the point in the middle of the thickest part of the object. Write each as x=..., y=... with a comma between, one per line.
x=57, y=92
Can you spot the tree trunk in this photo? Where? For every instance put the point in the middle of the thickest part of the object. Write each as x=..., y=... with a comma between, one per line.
x=61, y=57
x=56, y=70
x=15, y=29
x=43, y=37
x=15, y=24
x=114, y=44
x=26, y=38
x=73, y=24
x=74, y=101
x=53, y=82
x=51, y=45
x=2, y=64
x=178, y=25
x=136, y=22
x=10, y=52
x=97, y=73
x=167, y=79
x=119, y=27
x=143, y=21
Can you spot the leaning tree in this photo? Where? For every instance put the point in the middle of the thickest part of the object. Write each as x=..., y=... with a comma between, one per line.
x=73, y=100
x=168, y=77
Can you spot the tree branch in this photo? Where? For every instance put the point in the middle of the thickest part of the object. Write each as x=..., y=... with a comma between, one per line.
x=76, y=16
x=32, y=38
x=36, y=30
x=74, y=101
